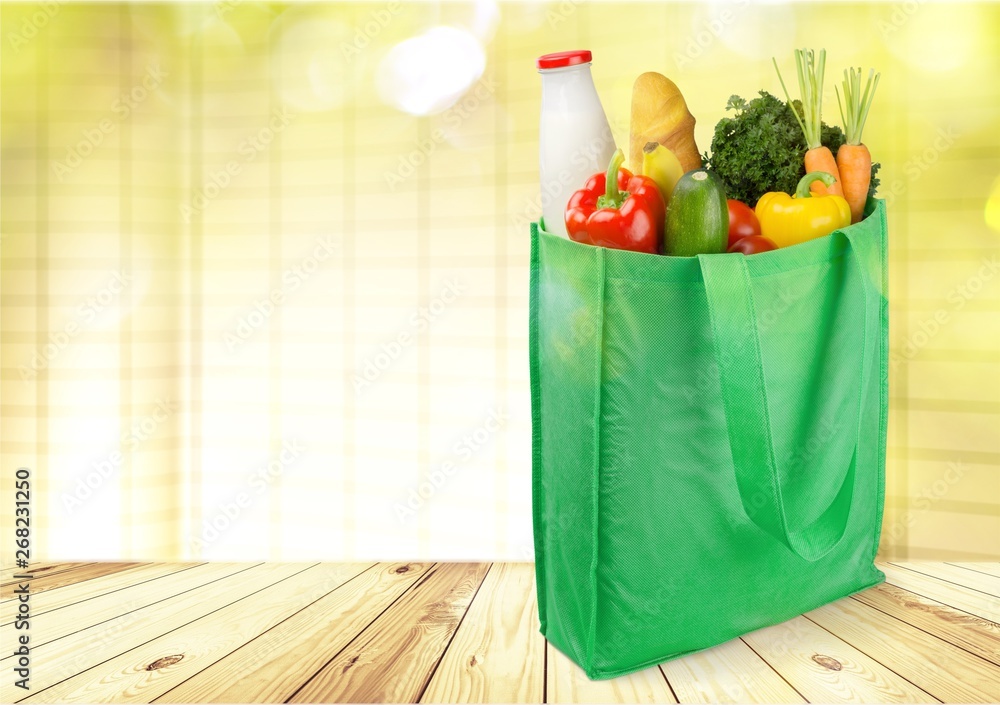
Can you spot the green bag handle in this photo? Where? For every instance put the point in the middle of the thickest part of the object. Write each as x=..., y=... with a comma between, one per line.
x=737, y=353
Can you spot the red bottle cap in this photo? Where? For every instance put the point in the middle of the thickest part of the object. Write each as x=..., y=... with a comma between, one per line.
x=562, y=59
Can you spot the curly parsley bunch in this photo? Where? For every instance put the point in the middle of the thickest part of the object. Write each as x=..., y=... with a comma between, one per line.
x=761, y=148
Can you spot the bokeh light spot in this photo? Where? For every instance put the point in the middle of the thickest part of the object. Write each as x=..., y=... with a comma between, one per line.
x=993, y=206
x=426, y=74
x=310, y=69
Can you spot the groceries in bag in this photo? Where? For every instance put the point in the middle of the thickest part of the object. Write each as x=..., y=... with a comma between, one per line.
x=617, y=209
x=853, y=158
x=818, y=156
x=574, y=137
x=698, y=216
x=744, y=230
x=788, y=220
x=742, y=221
x=662, y=166
x=764, y=151
x=660, y=114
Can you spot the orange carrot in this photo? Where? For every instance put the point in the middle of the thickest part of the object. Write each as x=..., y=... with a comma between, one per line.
x=821, y=159
x=853, y=157
x=855, y=162
x=810, y=70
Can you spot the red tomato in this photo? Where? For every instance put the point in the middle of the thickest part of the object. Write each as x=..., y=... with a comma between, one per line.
x=752, y=245
x=742, y=221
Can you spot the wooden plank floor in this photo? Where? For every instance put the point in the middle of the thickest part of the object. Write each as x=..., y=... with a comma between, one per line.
x=468, y=633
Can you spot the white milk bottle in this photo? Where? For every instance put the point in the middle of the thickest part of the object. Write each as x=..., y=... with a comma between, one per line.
x=574, y=134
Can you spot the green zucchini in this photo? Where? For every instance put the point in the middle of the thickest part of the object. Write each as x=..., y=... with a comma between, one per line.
x=697, y=216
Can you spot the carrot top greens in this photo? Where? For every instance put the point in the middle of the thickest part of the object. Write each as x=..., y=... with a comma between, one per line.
x=857, y=104
x=810, y=71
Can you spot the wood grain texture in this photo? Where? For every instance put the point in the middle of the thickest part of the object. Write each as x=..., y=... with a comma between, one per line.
x=949, y=673
x=977, y=603
x=271, y=668
x=567, y=683
x=68, y=577
x=825, y=668
x=974, y=580
x=36, y=570
x=84, y=649
x=408, y=632
x=394, y=657
x=103, y=585
x=117, y=609
x=972, y=633
x=729, y=673
x=498, y=654
x=987, y=568
x=149, y=670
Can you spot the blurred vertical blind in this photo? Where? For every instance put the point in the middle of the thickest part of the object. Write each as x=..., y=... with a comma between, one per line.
x=264, y=291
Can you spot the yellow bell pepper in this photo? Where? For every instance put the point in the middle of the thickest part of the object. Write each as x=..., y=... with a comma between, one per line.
x=788, y=220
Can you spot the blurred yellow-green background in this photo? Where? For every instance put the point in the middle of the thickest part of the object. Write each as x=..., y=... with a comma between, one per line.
x=264, y=266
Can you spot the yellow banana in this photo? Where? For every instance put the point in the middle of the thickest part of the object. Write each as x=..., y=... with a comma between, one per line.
x=663, y=167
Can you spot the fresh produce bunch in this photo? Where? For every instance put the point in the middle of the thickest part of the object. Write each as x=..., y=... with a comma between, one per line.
x=761, y=147
x=777, y=174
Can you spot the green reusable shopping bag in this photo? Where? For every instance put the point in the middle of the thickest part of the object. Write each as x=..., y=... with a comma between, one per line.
x=708, y=438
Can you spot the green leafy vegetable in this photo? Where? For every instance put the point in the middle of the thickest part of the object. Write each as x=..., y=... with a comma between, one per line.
x=761, y=148
x=873, y=184
x=832, y=138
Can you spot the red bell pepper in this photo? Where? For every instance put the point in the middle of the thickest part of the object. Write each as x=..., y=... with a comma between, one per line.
x=618, y=210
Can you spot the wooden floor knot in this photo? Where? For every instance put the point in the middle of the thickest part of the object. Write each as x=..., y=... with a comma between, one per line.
x=827, y=662
x=164, y=662
x=353, y=660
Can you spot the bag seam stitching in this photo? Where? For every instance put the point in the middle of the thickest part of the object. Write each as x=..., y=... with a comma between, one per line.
x=596, y=474
x=669, y=657
x=883, y=388
x=781, y=271
x=695, y=283
x=536, y=429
